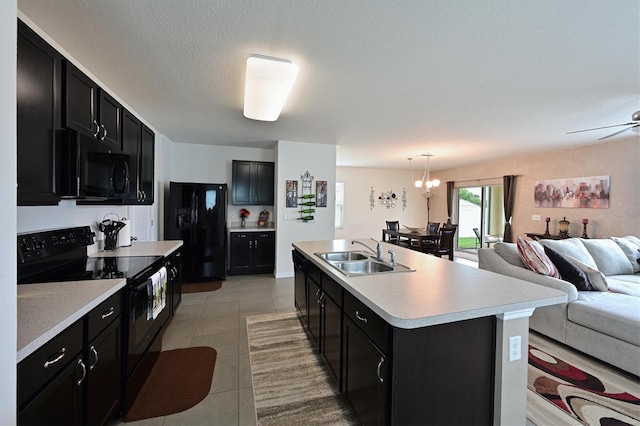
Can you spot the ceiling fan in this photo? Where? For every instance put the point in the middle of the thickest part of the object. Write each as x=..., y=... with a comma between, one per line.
x=634, y=123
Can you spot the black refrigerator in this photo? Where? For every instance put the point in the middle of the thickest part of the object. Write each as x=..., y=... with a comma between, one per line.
x=197, y=214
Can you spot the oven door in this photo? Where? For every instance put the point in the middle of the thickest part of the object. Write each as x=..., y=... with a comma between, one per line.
x=143, y=328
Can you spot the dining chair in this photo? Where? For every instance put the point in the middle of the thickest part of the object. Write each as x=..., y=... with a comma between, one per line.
x=444, y=246
x=394, y=225
x=433, y=227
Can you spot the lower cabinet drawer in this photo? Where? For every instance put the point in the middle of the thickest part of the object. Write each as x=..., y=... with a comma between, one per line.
x=48, y=361
x=104, y=314
x=376, y=329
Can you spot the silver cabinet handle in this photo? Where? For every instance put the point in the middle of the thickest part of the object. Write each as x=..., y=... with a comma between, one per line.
x=379, y=367
x=95, y=354
x=321, y=300
x=256, y=243
x=318, y=295
x=84, y=372
x=95, y=135
x=250, y=244
x=108, y=313
x=105, y=132
x=60, y=355
x=363, y=319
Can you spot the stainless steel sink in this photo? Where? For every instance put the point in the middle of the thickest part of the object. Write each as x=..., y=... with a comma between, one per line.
x=340, y=256
x=353, y=263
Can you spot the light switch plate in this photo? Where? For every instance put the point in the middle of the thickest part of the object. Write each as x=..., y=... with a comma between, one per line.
x=535, y=217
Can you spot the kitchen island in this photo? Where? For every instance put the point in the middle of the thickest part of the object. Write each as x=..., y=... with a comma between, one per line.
x=437, y=338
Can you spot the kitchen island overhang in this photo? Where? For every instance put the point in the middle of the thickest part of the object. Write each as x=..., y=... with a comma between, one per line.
x=441, y=292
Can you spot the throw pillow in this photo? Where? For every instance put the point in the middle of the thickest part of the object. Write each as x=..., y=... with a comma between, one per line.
x=596, y=278
x=569, y=271
x=572, y=247
x=534, y=258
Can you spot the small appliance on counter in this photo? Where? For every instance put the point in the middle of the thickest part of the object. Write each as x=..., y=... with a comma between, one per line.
x=125, y=233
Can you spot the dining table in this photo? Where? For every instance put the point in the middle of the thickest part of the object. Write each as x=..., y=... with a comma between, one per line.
x=421, y=237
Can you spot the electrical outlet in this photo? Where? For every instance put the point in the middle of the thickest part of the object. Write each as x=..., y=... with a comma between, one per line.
x=286, y=216
x=515, y=348
x=535, y=217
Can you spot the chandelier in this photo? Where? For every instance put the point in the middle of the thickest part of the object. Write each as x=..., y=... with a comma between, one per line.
x=425, y=184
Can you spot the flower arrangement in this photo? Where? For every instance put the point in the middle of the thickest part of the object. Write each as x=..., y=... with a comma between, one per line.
x=244, y=213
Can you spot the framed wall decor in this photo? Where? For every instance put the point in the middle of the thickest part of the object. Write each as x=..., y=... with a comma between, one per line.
x=581, y=192
x=321, y=193
x=292, y=193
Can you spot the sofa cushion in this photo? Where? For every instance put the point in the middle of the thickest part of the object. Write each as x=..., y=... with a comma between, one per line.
x=533, y=256
x=608, y=256
x=630, y=249
x=509, y=252
x=568, y=270
x=572, y=247
x=624, y=284
x=596, y=278
x=617, y=315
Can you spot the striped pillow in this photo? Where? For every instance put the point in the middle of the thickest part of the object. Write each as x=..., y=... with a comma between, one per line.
x=535, y=259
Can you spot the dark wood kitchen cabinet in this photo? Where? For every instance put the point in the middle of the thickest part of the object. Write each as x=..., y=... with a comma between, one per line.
x=39, y=103
x=252, y=183
x=252, y=252
x=301, y=267
x=76, y=377
x=90, y=110
x=138, y=142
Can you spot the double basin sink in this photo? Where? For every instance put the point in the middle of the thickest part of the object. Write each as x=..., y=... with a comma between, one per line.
x=353, y=263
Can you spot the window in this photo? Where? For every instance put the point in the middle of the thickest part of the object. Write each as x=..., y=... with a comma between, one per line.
x=339, y=205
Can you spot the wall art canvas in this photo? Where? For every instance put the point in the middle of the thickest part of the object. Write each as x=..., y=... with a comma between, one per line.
x=292, y=193
x=580, y=192
x=321, y=193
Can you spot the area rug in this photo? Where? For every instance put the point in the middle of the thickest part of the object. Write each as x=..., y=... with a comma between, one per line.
x=290, y=383
x=179, y=380
x=201, y=287
x=579, y=394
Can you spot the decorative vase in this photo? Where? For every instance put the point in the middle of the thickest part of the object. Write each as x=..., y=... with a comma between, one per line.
x=243, y=222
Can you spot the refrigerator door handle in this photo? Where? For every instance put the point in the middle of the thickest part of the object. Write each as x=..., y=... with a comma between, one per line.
x=194, y=217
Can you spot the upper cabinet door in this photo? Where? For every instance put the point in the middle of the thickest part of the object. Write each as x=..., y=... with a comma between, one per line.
x=80, y=101
x=146, y=165
x=110, y=116
x=39, y=81
x=131, y=136
x=264, y=175
x=91, y=110
x=241, y=182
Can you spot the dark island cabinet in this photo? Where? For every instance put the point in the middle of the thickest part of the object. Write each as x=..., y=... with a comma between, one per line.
x=252, y=252
x=391, y=375
x=39, y=103
x=252, y=183
x=90, y=110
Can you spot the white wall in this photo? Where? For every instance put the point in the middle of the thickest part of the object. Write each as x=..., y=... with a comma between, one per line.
x=360, y=221
x=293, y=159
x=8, y=174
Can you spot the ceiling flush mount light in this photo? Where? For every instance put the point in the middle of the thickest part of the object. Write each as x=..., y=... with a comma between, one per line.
x=267, y=86
x=425, y=184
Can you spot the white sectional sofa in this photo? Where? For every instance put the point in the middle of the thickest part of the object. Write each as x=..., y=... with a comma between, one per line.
x=604, y=324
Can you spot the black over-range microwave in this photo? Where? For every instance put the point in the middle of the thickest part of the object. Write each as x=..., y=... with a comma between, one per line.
x=89, y=169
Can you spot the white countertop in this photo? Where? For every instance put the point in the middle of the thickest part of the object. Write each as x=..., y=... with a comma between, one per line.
x=143, y=248
x=253, y=228
x=438, y=292
x=45, y=310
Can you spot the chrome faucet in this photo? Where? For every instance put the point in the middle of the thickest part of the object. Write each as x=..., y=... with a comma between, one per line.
x=377, y=251
x=393, y=258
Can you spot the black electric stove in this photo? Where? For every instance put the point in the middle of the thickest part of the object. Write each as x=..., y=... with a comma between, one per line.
x=61, y=255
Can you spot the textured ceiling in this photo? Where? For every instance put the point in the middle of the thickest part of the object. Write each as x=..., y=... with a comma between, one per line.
x=467, y=80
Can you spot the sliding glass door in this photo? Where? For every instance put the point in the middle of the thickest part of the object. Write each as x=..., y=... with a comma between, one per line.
x=480, y=216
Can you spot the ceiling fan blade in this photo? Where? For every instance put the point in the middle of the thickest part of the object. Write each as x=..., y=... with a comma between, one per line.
x=616, y=133
x=605, y=127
